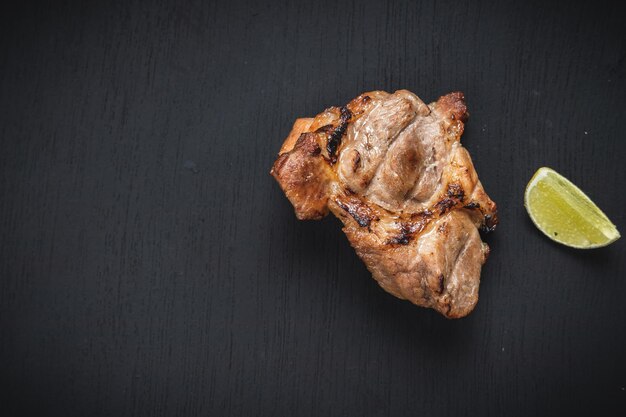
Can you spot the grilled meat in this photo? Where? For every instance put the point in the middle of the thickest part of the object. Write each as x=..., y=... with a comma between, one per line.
x=393, y=170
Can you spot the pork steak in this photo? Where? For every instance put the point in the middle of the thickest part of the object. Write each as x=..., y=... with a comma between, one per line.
x=393, y=170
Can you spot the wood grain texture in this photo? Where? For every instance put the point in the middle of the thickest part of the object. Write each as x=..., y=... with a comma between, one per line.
x=149, y=265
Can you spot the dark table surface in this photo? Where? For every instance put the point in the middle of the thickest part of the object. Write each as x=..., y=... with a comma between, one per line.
x=150, y=266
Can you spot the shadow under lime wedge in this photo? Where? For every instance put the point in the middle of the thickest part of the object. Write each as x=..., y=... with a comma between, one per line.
x=565, y=214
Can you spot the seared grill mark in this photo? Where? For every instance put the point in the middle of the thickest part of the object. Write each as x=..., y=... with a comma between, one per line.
x=441, y=279
x=357, y=161
x=455, y=195
x=359, y=211
x=456, y=191
x=409, y=229
x=334, y=140
x=422, y=215
x=402, y=238
x=490, y=221
x=445, y=205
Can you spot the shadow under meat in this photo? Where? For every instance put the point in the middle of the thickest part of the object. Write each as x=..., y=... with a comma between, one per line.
x=318, y=244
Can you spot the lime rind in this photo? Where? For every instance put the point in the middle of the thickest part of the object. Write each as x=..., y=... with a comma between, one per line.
x=565, y=214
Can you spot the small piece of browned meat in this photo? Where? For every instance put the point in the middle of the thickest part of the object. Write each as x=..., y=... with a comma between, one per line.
x=393, y=170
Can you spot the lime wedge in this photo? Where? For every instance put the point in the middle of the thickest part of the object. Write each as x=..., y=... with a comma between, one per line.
x=565, y=214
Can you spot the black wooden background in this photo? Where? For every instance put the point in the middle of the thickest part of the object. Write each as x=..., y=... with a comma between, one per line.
x=150, y=266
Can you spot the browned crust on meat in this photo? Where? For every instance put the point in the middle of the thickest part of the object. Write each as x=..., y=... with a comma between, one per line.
x=453, y=105
x=299, y=126
x=304, y=176
x=360, y=211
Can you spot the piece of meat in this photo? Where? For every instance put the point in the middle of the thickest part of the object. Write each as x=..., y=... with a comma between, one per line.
x=393, y=170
